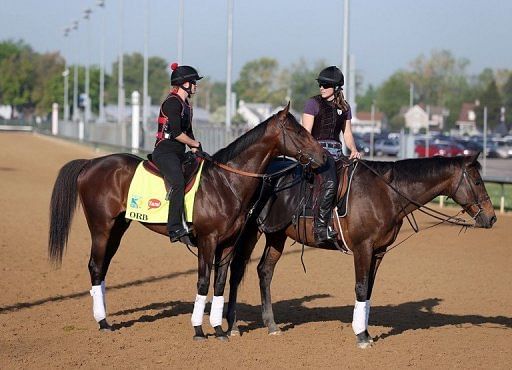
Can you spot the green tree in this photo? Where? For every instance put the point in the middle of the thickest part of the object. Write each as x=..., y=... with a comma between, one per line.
x=17, y=73
x=133, y=67
x=491, y=99
x=302, y=82
x=393, y=94
x=48, y=85
x=364, y=102
x=507, y=99
x=260, y=82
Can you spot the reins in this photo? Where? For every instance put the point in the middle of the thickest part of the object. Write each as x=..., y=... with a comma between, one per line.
x=432, y=212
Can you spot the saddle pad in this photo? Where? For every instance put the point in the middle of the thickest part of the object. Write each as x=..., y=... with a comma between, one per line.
x=146, y=198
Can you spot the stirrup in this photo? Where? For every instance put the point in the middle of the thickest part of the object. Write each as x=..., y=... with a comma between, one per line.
x=324, y=234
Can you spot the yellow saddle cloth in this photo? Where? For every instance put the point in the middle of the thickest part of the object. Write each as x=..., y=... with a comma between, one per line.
x=146, y=197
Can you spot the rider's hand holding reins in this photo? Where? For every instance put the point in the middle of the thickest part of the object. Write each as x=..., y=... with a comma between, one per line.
x=355, y=155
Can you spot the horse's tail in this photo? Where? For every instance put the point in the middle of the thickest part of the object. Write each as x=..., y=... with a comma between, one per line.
x=62, y=208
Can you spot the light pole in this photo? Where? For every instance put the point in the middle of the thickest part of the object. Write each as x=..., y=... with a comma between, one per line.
x=87, y=13
x=228, y=65
x=65, y=74
x=120, y=82
x=345, y=38
x=75, y=82
x=181, y=31
x=101, y=108
x=145, y=97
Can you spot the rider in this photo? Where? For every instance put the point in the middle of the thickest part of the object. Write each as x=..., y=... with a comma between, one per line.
x=325, y=116
x=174, y=133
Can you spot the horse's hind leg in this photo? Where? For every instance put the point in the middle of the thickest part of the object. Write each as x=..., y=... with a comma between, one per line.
x=105, y=242
x=273, y=251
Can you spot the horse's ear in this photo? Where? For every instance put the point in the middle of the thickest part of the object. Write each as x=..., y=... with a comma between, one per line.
x=388, y=175
x=284, y=113
x=473, y=159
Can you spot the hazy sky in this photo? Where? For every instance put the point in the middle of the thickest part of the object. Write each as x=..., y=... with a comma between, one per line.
x=385, y=34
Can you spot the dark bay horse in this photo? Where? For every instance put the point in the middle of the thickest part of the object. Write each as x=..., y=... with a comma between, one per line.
x=376, y=214
x=220, y=208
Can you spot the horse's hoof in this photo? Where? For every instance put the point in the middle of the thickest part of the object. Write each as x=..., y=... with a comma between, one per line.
x=275, y=332
x=364, y=345
x=369, y=337
x=199, y=338
x=364, y=340
x=105, y=326
x=199, y=334
x=234, y=333
x=220, y=334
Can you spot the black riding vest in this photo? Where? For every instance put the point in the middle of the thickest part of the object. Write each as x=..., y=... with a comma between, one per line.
x=165, y=131
x=329, y=122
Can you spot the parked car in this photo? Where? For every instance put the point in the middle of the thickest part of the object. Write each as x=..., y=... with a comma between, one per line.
x=503, y=148
x=387, y=147
x=445, y=149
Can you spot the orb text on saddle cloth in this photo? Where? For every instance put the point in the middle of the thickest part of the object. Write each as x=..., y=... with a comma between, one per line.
x=146, y=198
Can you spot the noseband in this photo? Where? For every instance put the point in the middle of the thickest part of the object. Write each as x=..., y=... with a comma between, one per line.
x=468, y=206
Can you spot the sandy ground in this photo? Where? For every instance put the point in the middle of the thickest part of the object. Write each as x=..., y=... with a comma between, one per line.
x=441, y=299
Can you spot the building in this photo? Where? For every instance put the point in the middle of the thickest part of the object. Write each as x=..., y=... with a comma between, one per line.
x=420, y=117
x=362, y=123
x=467, y=119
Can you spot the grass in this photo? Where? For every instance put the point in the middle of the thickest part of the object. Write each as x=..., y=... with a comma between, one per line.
x=494, y=191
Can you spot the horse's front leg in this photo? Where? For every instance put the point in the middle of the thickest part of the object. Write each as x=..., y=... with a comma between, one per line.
x=237, y=268
x=273, y=251
x=363, y=260
x=222, y=260
x=206, y=253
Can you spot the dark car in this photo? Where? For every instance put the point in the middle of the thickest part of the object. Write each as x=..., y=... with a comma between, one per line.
x=387, y=147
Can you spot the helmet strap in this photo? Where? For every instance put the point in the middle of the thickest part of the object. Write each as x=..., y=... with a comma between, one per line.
x=187, y=89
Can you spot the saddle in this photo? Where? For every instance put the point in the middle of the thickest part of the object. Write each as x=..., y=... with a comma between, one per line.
x=292, y=196
x=189, y=167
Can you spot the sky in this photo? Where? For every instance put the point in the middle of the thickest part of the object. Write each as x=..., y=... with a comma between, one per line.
x=385, y=35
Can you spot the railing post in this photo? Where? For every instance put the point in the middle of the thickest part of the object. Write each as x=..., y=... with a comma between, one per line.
x=55, y=119
x=502, y=200
x=135, y=121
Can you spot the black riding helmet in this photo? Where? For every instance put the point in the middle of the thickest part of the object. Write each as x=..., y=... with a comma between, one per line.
x=182, y=74
x=331, y=76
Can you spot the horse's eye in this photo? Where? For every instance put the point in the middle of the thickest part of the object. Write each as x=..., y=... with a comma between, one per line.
x=478, y=182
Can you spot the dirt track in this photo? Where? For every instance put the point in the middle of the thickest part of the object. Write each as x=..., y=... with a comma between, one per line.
x=441, y=300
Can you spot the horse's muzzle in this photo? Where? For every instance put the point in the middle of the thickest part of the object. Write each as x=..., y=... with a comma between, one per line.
x=485, y=222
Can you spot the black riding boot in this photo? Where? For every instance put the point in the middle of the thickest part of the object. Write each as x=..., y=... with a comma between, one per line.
x=321, y=230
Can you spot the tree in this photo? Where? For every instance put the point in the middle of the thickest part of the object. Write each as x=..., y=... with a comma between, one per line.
x=133, y=66
x=302, y=82
x=491, y=99
x=393, y=94
x=260, y=82
x=507, y=99
x=48, y=85
x=364, y=102
x=17, y=79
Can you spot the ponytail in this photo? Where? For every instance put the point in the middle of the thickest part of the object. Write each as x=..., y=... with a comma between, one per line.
x=339, y=100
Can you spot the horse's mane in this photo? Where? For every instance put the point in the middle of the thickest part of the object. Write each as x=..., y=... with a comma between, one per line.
x=240, y=144
x=411, y=170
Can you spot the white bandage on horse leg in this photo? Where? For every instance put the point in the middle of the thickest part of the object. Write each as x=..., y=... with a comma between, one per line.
x=104, y=290
x=216, y=310
x=359, y=318
x=367, y=312
x=98, y=306
x=197, y=314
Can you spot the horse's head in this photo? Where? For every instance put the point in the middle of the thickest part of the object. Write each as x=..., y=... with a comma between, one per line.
x=470, y=193
x=293, y=140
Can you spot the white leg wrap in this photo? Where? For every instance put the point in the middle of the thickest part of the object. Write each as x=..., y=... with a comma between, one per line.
x=98, y=305
x=104, y=290
x=216, y=311
x=367, y=312
x=359, y=318
x=197, y=314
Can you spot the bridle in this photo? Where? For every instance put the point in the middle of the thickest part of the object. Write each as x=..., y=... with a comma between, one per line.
x=300, y=156
x=467, y=207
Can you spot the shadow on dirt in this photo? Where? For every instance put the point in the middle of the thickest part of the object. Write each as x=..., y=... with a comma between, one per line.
x=291, y=313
